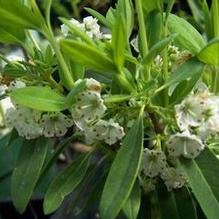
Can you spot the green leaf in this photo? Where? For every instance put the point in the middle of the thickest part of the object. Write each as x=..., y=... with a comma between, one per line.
x=167, y=204
x=123, y=172
x=158, y=48
x=8, y=34
x=16, y=13
x=154, y=27
x=78, y=70
x=14, y=70
x=189, y=38
x=186, y=71
x=111, y=16
x=177, y=204
x=210, y=53
x=87, y=55
x=132, y=205
x=184, y=88
x=209, y=165
x=119, y=42
x=200, y=173
x=196, y=9
x=39, y=98
x=27, y=171
x=150, y=5
x=125, y=9
x=65, y=183
x=99, y=17
x=117, y=98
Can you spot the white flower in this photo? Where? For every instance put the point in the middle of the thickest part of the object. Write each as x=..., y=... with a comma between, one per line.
x=25, y=121
x=92, y=28
x=89, y=106
x=55, y=124
x=173, y=178
x=89, y=134
x=93, y=85
x=211, y=114
x=65, y=28
x=108, y=131
x=189, y=112
x=89, y=26
x=16, y=84
x=153, y=162
x=185, y=144
x=173, y=50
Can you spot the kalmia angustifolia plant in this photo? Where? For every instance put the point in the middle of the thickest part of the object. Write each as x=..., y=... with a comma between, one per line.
x=144, y=100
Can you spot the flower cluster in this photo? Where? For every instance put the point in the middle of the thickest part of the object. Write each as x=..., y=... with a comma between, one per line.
x=88, y=112
x=174, y=54
x=89, y=26
x=32, y=124
x=197, y=117
x=154, y=164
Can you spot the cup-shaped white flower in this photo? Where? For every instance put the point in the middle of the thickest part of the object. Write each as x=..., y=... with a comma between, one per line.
x=173, y=178
x=153, y=162
x=65, y=29
x=55, y=124
x=89, y=26
x=108, y=131
x=185, y=144
x=189, y=112
x=92, y=28
x=89, y=106
x=25, y=121
x=210, y=124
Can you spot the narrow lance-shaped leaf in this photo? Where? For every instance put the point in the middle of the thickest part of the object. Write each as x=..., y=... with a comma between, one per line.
x=119, y=41
x=65, y=183
x=87, y=55
x=181, y=89
x=189, y=38
x=39, y=98
x=177, y=204
x=202, y=186
x=27, y=171
x=209, y=164
x=185, y=71
x=126, y=9
x=99, y=17
x=132, y=205
x=123, y=172
x=154, y=24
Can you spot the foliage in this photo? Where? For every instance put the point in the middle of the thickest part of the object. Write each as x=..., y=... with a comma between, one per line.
x=139, y=93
